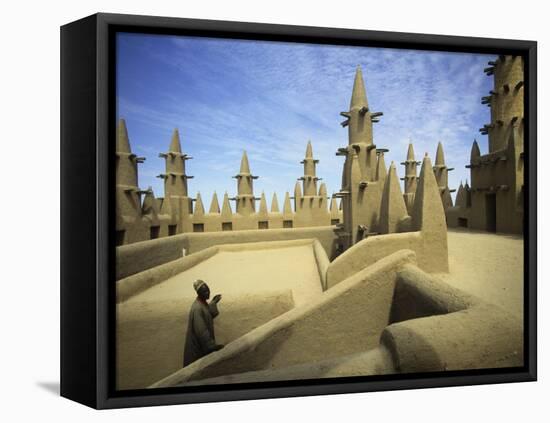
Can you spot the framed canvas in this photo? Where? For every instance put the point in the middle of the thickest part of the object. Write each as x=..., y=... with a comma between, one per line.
x=259, y=211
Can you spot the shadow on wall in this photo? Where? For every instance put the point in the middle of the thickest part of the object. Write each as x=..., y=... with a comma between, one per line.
x=425, y=324
x=151, y=335
x=331, y=326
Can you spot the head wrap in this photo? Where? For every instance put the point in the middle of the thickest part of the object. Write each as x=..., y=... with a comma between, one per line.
x=197, y=284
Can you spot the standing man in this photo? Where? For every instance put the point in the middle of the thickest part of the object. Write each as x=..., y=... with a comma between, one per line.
x=200, y=339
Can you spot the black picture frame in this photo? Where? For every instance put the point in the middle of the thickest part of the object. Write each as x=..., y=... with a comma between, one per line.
x=88, y=125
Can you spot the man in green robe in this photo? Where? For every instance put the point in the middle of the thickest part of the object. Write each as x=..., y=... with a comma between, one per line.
x=200, y=339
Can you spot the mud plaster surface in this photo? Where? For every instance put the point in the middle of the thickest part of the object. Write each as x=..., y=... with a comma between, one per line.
x=256, y=286
x=489, y=266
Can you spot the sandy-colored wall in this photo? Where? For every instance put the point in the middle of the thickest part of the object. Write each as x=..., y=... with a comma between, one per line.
x=136, y=283
x=462, y=332
x=137, y=257
x=372, y=249
x=151, y=336
x=334, y=325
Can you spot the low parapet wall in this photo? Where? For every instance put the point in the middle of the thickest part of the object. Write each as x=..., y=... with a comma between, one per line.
x=334, y=325
x=139, y=282
x=431, y=254
x=140, y=256
x=151, y=336
x=459, y=331
x=430, y=326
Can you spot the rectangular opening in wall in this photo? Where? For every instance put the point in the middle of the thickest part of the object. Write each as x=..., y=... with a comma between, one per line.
x=198, y=227
x=491, y=212
x=172, y=230
x=462, y=222
x=334, y=221
x=263, y=224
x=120, y=237
x=287, y=223
x=155, y=230
x=227, y=226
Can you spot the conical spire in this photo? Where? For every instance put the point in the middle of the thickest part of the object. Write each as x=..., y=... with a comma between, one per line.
x=274, y=204
x=199, y=208
x=297, y=190
x=226, y=208
x=149, y=203
x=475, y=153
x=175, y=144
x=410, y=152
x=439, y=156
x=392, y=206
x=245, y=167
x=263, y=204
x=381, y=168
x=358, y=96
x=214, y=205
x=323, y=190
x=309, y=151
x=297, y=196
x=460, y=200
x=428, y=210
x=287, y=209
x=122, y=140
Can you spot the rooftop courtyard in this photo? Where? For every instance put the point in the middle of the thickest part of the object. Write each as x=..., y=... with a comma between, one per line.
x=259, y=282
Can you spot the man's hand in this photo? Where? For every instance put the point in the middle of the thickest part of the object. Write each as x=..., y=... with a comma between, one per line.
x=217, y=298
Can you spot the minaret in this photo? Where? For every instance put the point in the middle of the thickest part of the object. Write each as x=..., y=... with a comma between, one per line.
x=175, y=178
x=410, y=178
x=310, y=202
x=309, y=179
x=361, y=191
x=177, y=204
x=126, y=170
x=441, y=172
x=246, y=203
x=474, y=165
x=506, y=100
x=128, y=201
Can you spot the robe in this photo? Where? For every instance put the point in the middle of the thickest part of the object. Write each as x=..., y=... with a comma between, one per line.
x=200, y=339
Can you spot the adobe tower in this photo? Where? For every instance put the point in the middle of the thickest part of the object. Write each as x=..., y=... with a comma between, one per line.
x=176, y=203
x=361, y=191
x=410, y=178
x=310, y=203
x=441, y=172
x=495, y=200
x=129, y=226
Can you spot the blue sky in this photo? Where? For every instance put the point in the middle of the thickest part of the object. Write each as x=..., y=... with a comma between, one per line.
x=270, y=98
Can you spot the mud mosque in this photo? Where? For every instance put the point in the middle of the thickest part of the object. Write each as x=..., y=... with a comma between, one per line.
x=330, y=286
